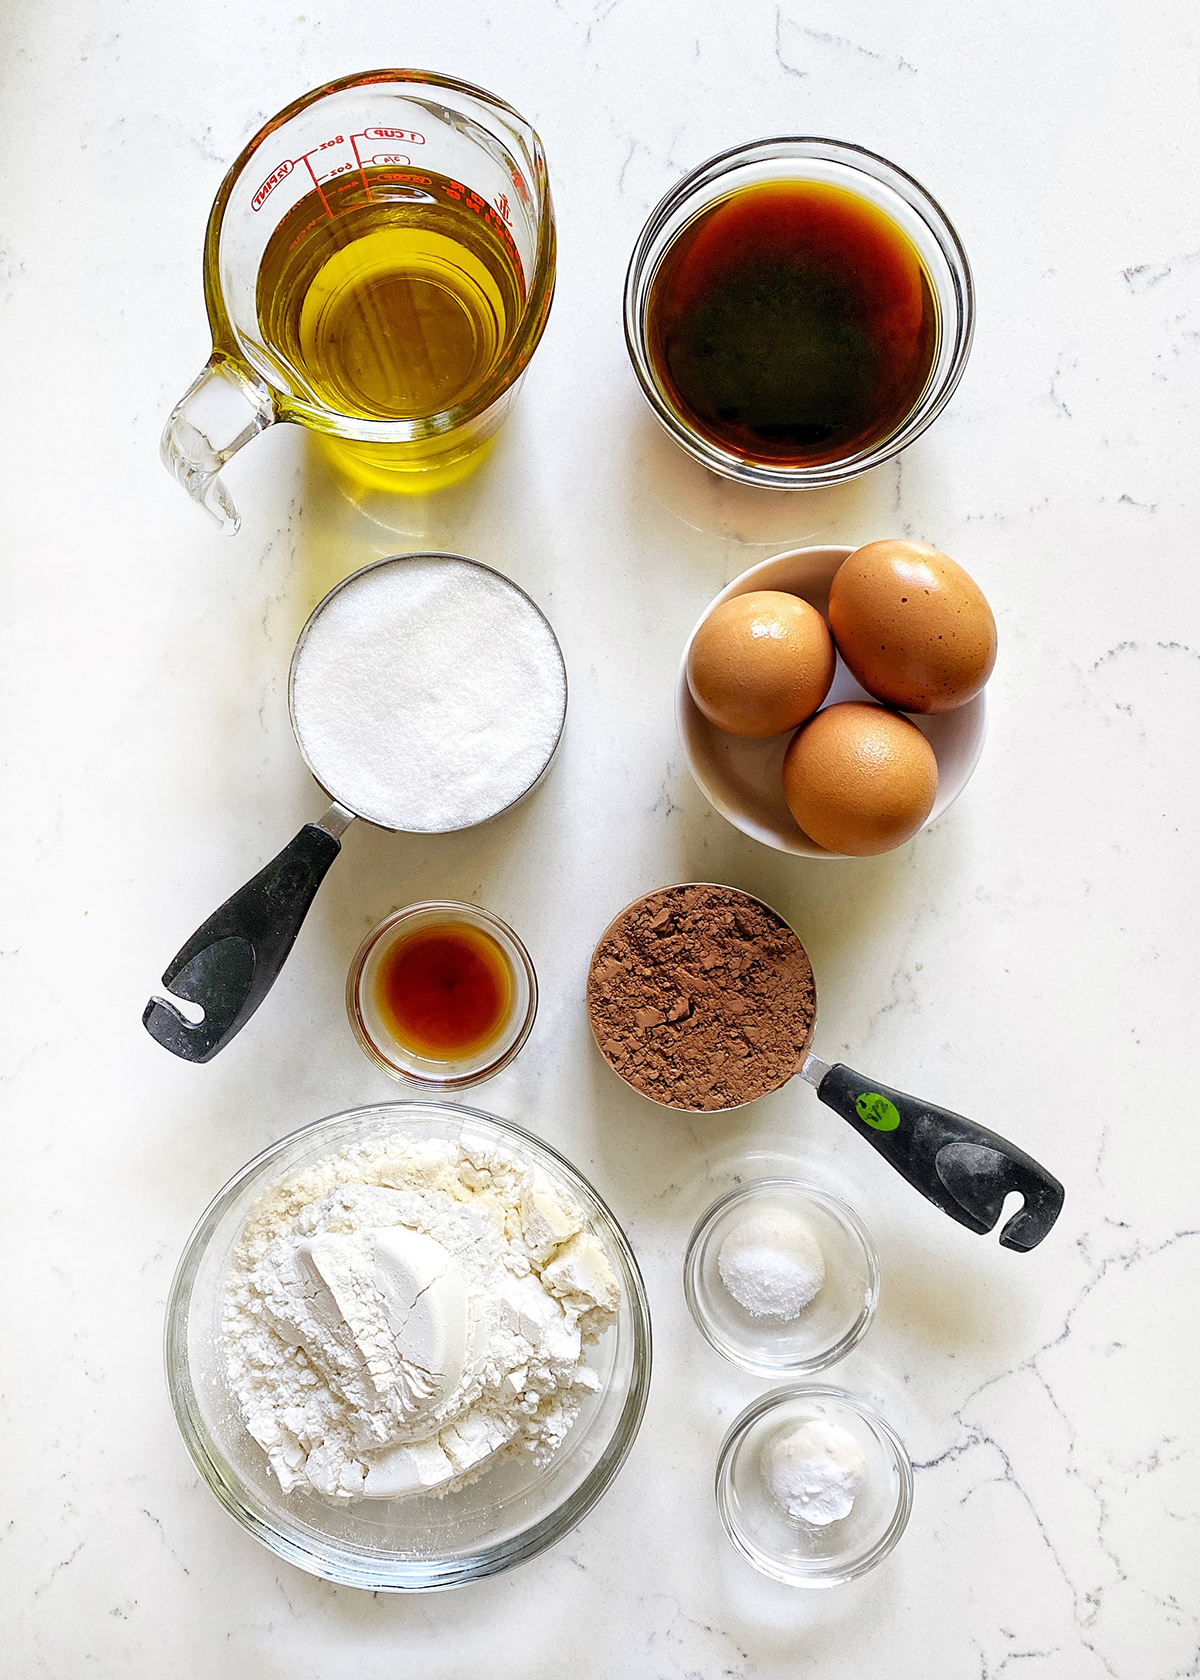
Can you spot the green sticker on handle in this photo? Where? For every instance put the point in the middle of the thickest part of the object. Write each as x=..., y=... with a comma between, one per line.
x=877, y=1111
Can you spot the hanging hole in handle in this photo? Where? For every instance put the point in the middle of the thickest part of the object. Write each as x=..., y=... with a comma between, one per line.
x=1014, y=1203
x=193, y=1013
x=981, y=1179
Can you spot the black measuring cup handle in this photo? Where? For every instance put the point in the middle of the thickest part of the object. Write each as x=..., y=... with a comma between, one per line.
x=230, y=963
x=962, y=1168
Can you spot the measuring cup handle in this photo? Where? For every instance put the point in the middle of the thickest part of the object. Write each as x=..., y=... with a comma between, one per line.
x=217, y=415
x=962, y=1168
x=230, y=963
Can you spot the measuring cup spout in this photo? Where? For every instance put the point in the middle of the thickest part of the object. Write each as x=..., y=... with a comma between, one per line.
x=217, y=415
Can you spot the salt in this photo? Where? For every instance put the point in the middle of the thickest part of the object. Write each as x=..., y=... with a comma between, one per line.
x=772, y=1265
x=428, y=694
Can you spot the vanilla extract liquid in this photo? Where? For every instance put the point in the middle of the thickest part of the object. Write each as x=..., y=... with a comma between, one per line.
x=793, y=324
x=445, y=991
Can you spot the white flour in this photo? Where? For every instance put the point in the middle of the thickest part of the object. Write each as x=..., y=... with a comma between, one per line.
x=429, y=694
x=399, y=1314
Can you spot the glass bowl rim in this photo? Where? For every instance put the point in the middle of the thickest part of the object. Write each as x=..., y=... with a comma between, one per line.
x=887, y=173
x=839, y=1573
x=850, y=1337
x=378, y=1574
x=374, y=1052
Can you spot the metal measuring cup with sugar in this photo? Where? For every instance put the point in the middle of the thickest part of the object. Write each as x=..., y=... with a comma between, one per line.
x=362, y=702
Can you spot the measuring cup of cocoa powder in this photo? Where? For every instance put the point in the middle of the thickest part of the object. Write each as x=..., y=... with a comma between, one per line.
x=702, y=998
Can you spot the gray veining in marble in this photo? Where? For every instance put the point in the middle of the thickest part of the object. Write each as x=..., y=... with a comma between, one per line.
x=1029, y=960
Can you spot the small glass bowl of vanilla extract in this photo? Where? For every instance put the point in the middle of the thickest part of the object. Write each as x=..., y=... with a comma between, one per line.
x=441, y=995
x=797, y=311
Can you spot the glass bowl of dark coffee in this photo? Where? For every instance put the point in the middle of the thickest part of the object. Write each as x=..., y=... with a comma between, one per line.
x=797, y=311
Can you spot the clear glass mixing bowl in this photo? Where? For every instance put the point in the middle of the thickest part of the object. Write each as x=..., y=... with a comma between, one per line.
x=514, y=1510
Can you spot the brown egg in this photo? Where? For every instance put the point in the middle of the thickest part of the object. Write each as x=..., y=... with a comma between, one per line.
x=760, y=663
x=859, y=779
x=913, y=627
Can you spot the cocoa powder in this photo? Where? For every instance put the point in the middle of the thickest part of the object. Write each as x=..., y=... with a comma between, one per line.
x=701, y=997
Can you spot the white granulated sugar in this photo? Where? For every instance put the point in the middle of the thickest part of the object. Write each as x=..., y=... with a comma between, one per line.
x=772, y=1265
x=428, y=694
x=401, y=1314
x=815, y=1471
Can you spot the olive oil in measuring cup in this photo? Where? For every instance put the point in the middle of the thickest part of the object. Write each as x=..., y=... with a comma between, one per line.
x=391, y=298
x=378, y=267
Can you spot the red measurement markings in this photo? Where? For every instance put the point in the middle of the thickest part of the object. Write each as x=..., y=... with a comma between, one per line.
x=474, y=201
x=272, y=181
x=519, y=183
x=336, y=169
x=317, y=184
x=299, y=238
x=354, y=139
x=408, y=136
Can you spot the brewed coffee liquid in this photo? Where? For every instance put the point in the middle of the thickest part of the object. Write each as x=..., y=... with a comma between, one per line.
x=792, y=323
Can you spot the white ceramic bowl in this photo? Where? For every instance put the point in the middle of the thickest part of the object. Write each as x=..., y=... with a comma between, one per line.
x=743, y=779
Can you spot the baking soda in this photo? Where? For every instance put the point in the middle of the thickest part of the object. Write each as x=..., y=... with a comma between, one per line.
x=815, y=1472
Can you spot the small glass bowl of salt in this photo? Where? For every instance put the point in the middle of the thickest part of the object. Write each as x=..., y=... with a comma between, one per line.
x=814, y=1487
x=781, y=1276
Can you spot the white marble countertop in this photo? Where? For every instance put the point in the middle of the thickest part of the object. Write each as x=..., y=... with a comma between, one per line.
x=1029, y=960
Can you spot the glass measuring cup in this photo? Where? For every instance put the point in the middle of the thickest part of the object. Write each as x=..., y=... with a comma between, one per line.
x=427, y=205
